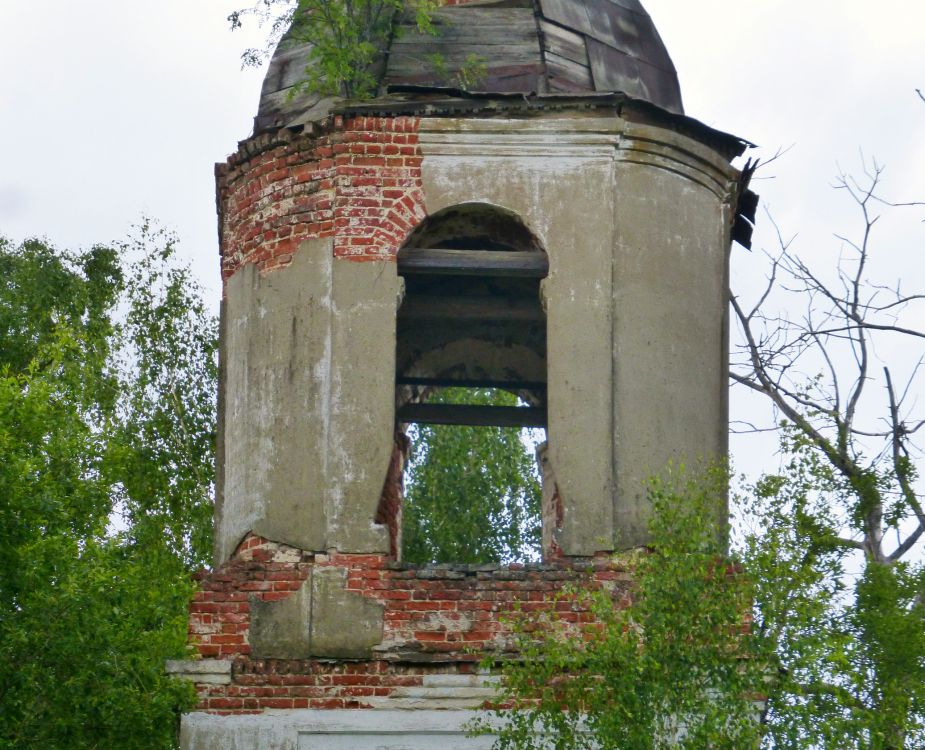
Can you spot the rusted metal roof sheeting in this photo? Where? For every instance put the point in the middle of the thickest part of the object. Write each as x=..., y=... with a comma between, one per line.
x=623, y=48
x=614, y=70
x=500, y=44
x=511, y=47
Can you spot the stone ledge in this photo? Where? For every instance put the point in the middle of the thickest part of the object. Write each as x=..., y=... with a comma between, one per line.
x=204, y=671
x=333, y=729
x=426, y=704
x=460, y=680
x=445, y=693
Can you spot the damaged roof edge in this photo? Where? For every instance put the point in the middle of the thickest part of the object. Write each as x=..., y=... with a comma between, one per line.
x=448, y=101
x=433, y=101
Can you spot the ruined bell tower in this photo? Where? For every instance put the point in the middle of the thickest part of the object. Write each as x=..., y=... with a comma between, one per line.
x=559, y=229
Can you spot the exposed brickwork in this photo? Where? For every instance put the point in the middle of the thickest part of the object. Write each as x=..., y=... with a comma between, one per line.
x=436, y=620
x=389, y=512
x=259, y=684
x=356, y=180
x=219, y=613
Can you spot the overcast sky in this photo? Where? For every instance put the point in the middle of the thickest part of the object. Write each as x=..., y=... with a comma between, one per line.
x=115, y=109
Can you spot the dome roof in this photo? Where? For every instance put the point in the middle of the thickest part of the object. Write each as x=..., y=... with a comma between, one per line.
x=503, y=47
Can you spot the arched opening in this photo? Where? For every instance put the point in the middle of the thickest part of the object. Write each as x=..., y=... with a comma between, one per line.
x=471, y=355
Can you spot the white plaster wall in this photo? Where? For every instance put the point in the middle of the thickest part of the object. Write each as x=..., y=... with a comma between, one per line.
x=332, y=730
x=635, y=220
x=557, y=175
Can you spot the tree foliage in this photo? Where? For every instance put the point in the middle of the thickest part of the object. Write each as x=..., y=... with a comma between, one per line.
x=473, y=493
x=848, y=510
x=783, y=646
x=668, y=666
x=346, y=38
x=832, y=574
x=844, y=641
x=106, y=424
x=162, y=455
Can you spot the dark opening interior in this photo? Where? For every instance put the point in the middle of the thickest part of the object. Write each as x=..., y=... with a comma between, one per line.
x=471, y=322
x=472, y=316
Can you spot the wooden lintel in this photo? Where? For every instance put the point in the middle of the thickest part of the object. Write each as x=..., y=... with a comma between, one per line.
x=420, y=307
x=476, y=416
x=510, y=263
x=508, y=385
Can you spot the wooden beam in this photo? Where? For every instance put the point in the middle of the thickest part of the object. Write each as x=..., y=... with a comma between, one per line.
x=421, y=307
x=510, y=385
x=510, y=263
x=476, y=416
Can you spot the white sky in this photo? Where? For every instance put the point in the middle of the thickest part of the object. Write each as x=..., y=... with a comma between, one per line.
x=115, y=109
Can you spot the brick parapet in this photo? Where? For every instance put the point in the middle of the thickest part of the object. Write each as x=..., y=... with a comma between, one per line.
x=438, y=620
x=357, y=180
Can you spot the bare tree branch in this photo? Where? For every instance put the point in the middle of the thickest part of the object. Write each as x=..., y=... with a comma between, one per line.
x=902, y=470
x=816, y=371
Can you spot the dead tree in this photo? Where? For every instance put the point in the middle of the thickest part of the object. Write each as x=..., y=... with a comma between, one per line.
x=821, y=371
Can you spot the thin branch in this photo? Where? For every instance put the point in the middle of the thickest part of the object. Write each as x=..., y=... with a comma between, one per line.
x=834, y=375
x=855, y=299
x=909, y=382
x=850, y=543
x=781, y=151
x=750, y=428
x=897, y=303
x=907, y=544
x=765, y=385
x=772, y=278
x=902, y=471
x=871, y=326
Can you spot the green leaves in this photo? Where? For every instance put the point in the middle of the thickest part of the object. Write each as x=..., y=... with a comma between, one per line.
x=834, y=642
x=672, y=668
x=82, y=658
x=346, y=38
x=49, y=298
x=107, y=376
x=844, y=632
x=161, y=457
x=473, y=493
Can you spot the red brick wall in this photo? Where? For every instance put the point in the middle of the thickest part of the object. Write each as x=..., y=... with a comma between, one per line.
x=436, y=620
x=356, y=180
x=389, y=512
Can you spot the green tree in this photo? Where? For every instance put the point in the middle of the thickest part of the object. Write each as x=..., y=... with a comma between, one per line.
x=831, y=563
x=473, y=493
x=345, y=36
x=844, y=641
x=848, y=512
x=673, y=667
x=106, y=378
x=161, y=459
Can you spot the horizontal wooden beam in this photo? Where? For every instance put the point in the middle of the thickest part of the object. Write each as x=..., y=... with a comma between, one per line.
x=510, y=263
x=509, y=385
x=421, y=307
x=475, y=416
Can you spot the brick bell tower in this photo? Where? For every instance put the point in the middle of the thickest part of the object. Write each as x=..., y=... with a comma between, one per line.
x=560, y=229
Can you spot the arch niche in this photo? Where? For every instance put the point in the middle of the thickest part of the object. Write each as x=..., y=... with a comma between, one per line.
x=471, y=316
